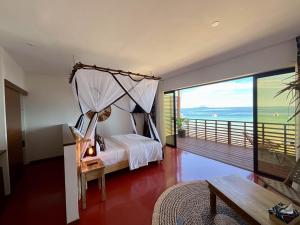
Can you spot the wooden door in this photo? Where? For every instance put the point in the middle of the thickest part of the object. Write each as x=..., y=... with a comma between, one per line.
x=14, y=134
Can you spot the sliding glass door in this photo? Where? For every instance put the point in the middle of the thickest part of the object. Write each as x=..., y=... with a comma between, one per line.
x=274, y=133
x=170, y=118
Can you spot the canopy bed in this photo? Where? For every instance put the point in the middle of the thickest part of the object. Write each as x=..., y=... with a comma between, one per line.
x=96, y=90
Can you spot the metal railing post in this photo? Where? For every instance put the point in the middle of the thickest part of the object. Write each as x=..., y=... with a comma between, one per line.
x=245, y=130
x=284, y=138
x=263, y=133
x=205, y=130
x=216, y=131
x=229, y=132
x=196, y=128
x=188, y=128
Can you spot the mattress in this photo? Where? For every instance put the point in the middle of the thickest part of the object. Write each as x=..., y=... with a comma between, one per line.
x=141, y=150
x=114, y=153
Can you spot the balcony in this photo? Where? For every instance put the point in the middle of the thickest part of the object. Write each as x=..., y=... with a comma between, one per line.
x=231, y=142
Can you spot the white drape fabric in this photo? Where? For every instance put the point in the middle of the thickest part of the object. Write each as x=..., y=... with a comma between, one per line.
x=133, y=124
x=128, y=105
x=125, y=103
x=90, y=134
x=153, y=130
x=96, y=90
x=142, y=92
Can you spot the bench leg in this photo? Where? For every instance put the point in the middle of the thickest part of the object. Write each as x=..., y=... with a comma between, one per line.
x=213, y=201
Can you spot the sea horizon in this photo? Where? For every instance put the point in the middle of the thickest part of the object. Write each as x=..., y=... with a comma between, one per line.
x=279, y=114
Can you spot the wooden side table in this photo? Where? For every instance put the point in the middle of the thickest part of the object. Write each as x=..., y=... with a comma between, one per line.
x=91, y=170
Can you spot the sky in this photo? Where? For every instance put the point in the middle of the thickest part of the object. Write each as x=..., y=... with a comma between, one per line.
x=235, y=93
x=268, y=87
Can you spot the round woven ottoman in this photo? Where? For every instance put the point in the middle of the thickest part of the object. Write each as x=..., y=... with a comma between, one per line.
x=188, y=204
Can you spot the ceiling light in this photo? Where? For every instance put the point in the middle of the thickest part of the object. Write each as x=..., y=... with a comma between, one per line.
x=215, y=23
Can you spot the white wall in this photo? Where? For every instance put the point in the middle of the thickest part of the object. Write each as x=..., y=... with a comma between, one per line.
x=117, y=123
x=160, y=111
x=9, y=70
x=51, y=103
x=276, y=57
x=71, y=183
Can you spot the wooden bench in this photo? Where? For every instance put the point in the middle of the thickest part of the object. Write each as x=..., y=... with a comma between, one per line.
x=249, y=200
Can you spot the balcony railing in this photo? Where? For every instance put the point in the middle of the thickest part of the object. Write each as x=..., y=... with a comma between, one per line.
x=233, y=133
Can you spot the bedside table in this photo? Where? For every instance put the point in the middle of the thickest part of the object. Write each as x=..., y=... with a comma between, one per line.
x=92, y=170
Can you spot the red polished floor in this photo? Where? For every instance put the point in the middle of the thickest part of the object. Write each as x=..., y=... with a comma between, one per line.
x=131, y=195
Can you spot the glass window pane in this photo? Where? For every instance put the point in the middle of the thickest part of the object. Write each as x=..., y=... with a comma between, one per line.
x=276, y=133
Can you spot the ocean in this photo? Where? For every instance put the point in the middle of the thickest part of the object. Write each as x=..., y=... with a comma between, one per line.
x=245, y=114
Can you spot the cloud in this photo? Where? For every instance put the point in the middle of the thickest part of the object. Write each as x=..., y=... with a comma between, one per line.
x=236, y=93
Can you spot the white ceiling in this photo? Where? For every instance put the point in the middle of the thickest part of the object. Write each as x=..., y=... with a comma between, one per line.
x=154, y=36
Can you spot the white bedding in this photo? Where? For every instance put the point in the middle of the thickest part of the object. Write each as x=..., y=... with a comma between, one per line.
x=114, y=153
x=141, y=150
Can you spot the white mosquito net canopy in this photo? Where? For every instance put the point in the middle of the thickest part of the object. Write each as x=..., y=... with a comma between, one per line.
x=97, y=88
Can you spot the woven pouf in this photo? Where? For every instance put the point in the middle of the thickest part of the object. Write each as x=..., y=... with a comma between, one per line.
x=188, y=203
x=221, y=219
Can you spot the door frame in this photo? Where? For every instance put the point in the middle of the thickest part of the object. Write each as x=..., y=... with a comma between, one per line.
x=255, y=132
x=174, y=112
x=13, y=87
x=16, y=88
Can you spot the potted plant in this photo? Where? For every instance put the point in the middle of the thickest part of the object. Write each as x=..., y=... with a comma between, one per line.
x=293, y=90
x=181, y=131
